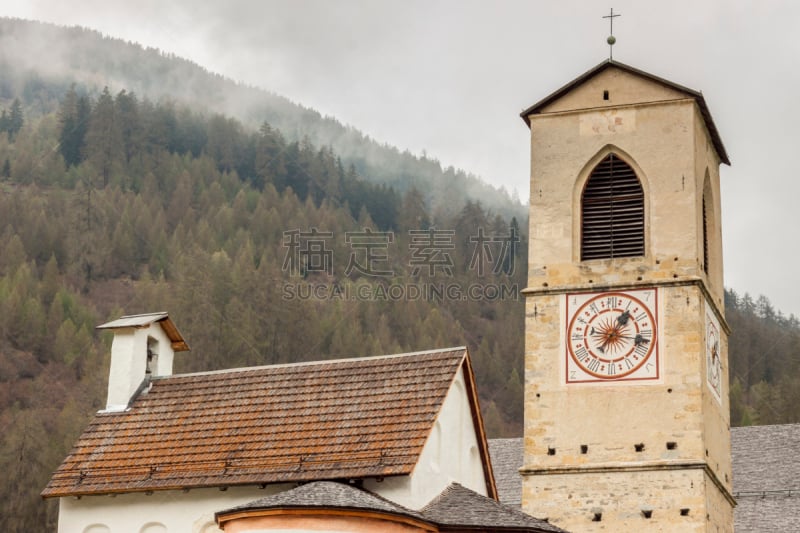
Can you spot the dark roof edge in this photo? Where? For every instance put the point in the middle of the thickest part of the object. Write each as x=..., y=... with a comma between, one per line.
x=47, y=492
x=477, y=422
x=697, y=95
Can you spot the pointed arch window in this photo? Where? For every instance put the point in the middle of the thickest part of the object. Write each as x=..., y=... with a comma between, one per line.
x=708, y=221
x=705, y=235
x=612, y=212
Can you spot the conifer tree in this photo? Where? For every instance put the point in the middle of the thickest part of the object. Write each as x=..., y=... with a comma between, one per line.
x=104, y=137
x=127, y=107
x=15, y=119
x=74, y=120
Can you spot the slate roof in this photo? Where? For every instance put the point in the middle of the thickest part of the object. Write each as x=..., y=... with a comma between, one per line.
x=324, y=494
x=697, y=95
x=455, y=509
x=459, y=508
x=353, y=418
x=507, y=459
x=766, y=478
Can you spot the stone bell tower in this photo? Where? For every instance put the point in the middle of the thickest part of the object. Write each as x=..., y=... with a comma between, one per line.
x=626, y=369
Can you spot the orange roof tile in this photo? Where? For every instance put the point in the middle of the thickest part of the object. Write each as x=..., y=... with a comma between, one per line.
x=327, y=420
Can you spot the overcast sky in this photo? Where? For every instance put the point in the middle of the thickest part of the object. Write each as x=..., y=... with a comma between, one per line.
x=450, y=77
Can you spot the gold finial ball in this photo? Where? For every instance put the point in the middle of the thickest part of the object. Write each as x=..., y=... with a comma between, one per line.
x=611, y=39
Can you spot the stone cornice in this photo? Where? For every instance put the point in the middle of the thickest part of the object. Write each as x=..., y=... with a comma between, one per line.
x=601, y=287
x=619, y=467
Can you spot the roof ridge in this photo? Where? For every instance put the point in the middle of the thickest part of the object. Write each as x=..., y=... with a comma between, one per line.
x=312, y=363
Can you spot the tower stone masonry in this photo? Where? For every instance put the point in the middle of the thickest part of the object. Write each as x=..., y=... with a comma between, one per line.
x=626, y=372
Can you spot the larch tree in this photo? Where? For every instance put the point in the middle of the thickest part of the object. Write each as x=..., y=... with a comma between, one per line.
x=104, y=137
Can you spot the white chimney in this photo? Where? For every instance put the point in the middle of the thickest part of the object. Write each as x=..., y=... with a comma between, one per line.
x=143, y=347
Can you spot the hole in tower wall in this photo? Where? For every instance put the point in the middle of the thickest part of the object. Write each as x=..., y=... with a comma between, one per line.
x=551, y=451
x=605, y=95
x=647, y=513
x=672, y=445
x=597, y=517
x=584, y=448
x=639, y=447
x=685, y=512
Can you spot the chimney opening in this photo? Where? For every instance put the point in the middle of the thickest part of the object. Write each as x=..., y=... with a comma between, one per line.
x=152, y=356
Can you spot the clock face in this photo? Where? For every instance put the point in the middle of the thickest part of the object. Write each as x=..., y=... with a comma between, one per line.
x=713, y=356
x=612, y=336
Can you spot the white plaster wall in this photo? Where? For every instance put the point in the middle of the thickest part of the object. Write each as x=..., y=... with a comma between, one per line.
x=167, y=511
x=129, y=362
x=165, y=352
x=450, y=455
x=123, y=367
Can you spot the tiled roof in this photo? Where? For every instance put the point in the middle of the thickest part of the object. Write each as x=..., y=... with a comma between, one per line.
x=766, y=478
x=324, y=494
x=460, y=508
x=507, y=459
x=313, y=421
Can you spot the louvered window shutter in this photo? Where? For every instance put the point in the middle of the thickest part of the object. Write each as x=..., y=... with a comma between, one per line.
x=612, y=217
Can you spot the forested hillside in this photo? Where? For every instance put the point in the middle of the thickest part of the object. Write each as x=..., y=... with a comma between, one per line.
x=764, y=362
x=115, y=205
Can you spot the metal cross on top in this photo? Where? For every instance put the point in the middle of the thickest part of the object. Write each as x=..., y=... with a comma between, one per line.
x=611, y=39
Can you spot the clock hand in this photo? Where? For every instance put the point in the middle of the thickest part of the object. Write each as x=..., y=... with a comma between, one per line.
x=638, y=339
x=623, y=318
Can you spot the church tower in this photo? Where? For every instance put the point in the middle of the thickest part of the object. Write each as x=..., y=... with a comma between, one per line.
x=626, y=369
